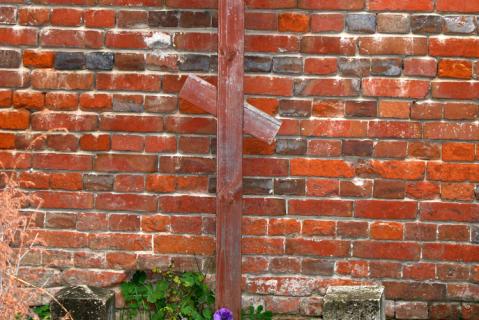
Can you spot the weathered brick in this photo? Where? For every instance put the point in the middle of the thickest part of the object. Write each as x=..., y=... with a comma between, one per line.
x=361, y=23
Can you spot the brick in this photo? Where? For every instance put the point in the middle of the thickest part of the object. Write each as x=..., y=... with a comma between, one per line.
x=322, y=187
x=320, y=207
x=455, y=151
x=426, y=24
x=450, y=131
x=459, y=25
x=125, y=162
x=327, y=22
x=453, y=232
x=393, y=23
x=69, y=60
x=386, y=231
x=386, y=250
x=28, y=100
x=394, y=109
x=328, y=45
x=386, y=67
x=289, y=186
x=453, y=47
x=293, y=22
x=261, y=21
x=71, y=38
x=382, y=209
x=387, y=189
x=460, y=212
x=318, y=228
x=457, y=6
x=271, y=43
x=458, y=69
x=420, y=67
x=290, y=65
x=331, y=5
x=322, y=248
x=195, y=19
x=322, y=66
x=100, y=18
x=130, y=61
x=412, y=310
x=129, y=82
x=198, y=245
x=10, y=59
x=382, y=87
x=66, y=17
x=322, y=267
x=194, y=62
x=407, y=5
x=361, y=23
x=14, y=120
x=451, y=252
x=388, y=45
x=354, y=67
x=327, y=87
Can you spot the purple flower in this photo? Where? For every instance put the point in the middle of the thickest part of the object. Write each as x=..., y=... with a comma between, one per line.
x=223, y=314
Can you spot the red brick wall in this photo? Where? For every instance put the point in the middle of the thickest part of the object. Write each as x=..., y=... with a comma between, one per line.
x=373, y=178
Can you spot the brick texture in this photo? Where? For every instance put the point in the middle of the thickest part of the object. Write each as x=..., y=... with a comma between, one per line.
x=374, y=177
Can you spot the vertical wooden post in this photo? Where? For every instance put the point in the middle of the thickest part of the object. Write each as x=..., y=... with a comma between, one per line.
x=229, y=154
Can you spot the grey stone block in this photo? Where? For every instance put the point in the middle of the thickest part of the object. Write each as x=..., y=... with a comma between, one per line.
x=361, y=23
x=459, y=25
x=100, y=60
x=69, y=60
x=257, y=64
x=195, y=62
x=354, y=303
x=85, y=303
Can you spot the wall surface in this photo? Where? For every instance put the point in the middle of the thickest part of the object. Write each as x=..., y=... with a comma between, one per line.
x=373, y=178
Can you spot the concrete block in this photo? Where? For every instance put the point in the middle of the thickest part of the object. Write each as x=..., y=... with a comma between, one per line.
x=354, y=303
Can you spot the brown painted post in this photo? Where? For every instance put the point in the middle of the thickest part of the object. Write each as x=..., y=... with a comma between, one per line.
x=229, y=154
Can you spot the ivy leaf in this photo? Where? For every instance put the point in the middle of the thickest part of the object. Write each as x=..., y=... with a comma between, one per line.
x=157, y=292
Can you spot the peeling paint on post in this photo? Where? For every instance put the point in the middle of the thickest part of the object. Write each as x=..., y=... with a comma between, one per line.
x=229, y=154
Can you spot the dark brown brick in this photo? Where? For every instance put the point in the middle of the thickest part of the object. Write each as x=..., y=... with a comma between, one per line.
x=358, y=148
x=289, y=186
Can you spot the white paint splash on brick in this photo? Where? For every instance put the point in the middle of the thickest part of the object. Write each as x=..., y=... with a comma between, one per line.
x=158, y=40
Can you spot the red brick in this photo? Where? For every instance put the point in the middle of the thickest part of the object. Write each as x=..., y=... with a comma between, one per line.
x=261, y=21
x=387, y=250
x=323, y=66
x=457, y=6
x=378, y=87
x=454, y=47
x=266, y=167
x=66, y=17
x=33, y=16
x=386, y=231
x=99, y=18
x=198, y=245
x=420, y=271
x=406, y=5
x=155, y=223
x=14, y=120
x=18, y=36
x=125, y=162
x=451, y=252
x=328, y=45
x=332, y=4
x=66, y=181
x=126, y=202
x=61, y=101
x=128, y=82
x=58, y=161
x=420, y=67
x=181, y=204
x=324, y=248
x=85, y=39
x=293, y=22
x=120, y=241
x=455, y=151
x=460, y=212
x=49, y=79
x=64, y=121
x=453, y=233
x=271, y=43
x=264, y=206
x=65, y=200
x=318, y=228
x=321, y=168
x=277, y=227
x=263, y=246
x=333, y=22
x=334, y=128
x=10, y=79
x=311, y=207
x=270, y=4
x=458, y=69
x=196, y=42
x=379, y=209
x=131, y=123
x=92, y=142
x=95, y=102
x=388, y=45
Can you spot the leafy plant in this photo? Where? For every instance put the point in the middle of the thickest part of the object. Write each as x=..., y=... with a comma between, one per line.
x=173, y=296
x=43, y=312
x=256, y=314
